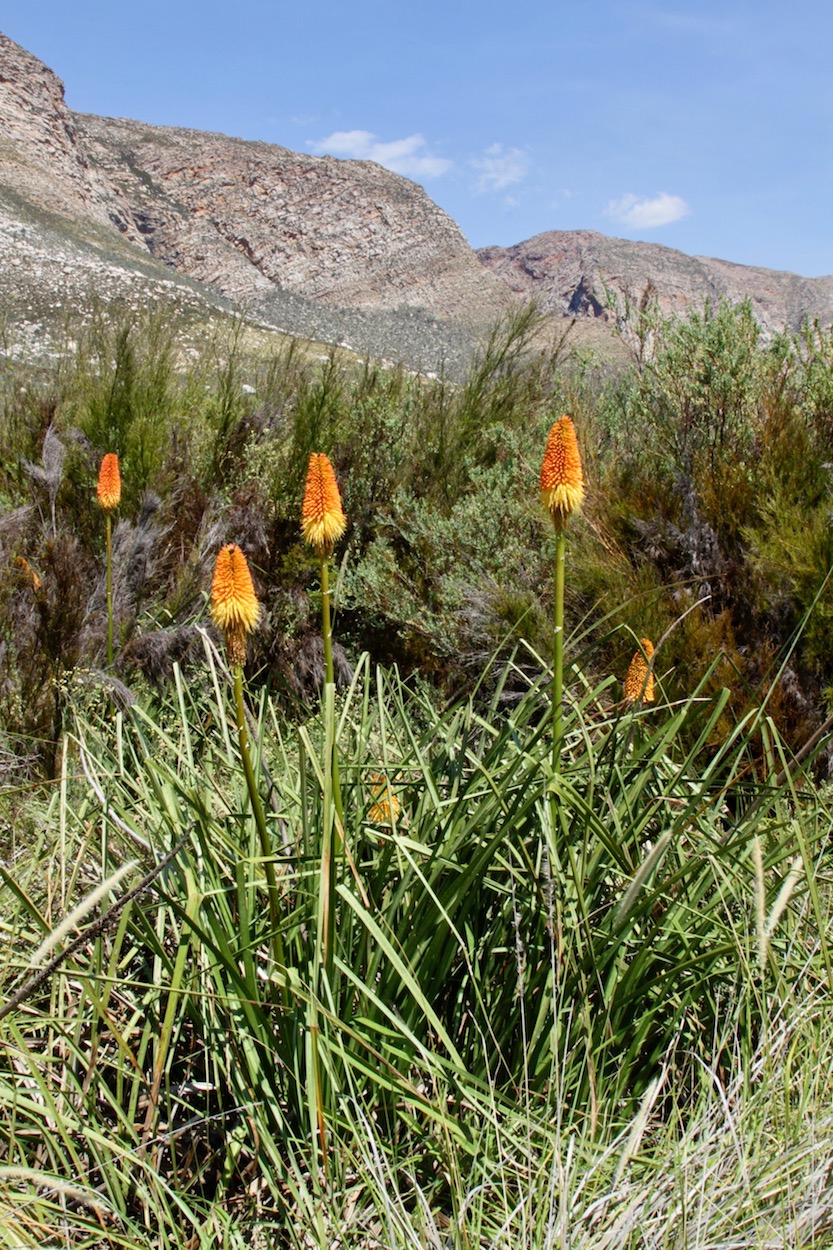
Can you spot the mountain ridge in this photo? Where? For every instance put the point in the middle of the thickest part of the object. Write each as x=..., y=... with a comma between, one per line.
x=573, y=272
x=338, y=251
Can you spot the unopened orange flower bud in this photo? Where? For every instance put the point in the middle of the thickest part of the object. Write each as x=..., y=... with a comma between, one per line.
x=322, y=520
x=639, y=682
x=28, y=572
x=562, y=480
x=234, y=605
x=109, y=482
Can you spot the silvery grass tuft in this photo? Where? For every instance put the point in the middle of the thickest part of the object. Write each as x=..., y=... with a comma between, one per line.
x=235, y=610
x=562, y=493
x=109, y=497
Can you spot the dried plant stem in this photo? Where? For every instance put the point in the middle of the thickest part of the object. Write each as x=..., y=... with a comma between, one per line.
x=109, y=590
x=558, y=651
x=260, y=819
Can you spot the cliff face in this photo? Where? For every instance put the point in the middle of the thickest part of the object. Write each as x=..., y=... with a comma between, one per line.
x=572, y=272
x=239, y=216
x=41, y=157
x=338, y=251
x=246, y=216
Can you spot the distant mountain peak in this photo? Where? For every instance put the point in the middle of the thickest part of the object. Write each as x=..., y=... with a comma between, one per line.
x=574, y=272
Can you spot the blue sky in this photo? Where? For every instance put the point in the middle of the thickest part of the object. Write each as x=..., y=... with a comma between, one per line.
x=706, y=126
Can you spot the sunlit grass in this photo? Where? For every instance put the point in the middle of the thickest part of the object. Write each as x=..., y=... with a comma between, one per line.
x=527, y=1030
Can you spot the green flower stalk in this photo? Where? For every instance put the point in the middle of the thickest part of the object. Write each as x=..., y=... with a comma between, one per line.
x=109, y=497
x=562, y=493
x=322, y=524
x=236, y=611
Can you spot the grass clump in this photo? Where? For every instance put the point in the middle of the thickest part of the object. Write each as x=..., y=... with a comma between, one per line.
x=516, y=989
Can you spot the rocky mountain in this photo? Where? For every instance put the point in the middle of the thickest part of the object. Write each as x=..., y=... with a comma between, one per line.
x=247, y=217
x=575, y=272
x=67, y=236
x=337, y=251
x=342, y=251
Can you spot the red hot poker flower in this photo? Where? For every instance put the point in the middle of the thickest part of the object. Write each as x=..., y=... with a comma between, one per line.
x=562, y=479
x=234, y=605
x=109, y=482
x=322, y=519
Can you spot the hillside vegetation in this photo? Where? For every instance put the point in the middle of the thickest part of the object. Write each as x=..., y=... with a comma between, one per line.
x=401, y=958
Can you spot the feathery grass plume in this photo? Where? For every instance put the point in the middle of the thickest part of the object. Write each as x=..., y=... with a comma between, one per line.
x=562, y=492
x=562, y=478
x=108, y=491
x=234, y=606
x=109, y=482
x=322, y=519
x=639, y=681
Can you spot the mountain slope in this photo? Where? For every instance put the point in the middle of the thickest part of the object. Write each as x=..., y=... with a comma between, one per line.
x=340, y=251
x=246, y=216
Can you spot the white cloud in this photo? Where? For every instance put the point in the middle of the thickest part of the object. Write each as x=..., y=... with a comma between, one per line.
x=404, y=156
x=500, y=167
x=643, y=214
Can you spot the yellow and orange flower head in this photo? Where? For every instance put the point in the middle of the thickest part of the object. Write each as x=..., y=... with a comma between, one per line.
x=386, y=809
x=109, y=482
x=562, y=479
x=28, y=572
x=234, y=605
x=639, y=682
x=322, y=520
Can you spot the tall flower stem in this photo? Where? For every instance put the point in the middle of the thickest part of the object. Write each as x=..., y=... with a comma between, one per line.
x=109, y=524
x=323, y=523
x=558, y=651
x=108, y=492
x=260, y=819
x=562, y=492
x=329, y=678
x=327, y=623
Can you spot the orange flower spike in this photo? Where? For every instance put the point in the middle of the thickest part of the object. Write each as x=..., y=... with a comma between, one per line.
x=234, y=605
x=562, y=479
x=322, y=519
x=109, y=482
x=639, y=682
x=384, y=810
